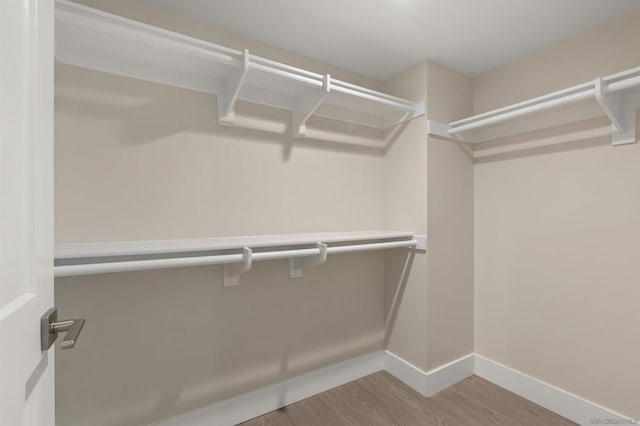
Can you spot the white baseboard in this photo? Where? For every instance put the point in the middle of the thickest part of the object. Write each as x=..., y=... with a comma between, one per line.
x=406, y=372
x=430, y=382
x=554, y=399
x=256, y=403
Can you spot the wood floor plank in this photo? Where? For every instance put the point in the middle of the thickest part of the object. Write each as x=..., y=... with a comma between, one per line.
x=516, y=407
x=471, y=411
x=382, y=400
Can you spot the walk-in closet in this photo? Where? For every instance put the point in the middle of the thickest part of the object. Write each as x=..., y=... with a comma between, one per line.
x=348, y=212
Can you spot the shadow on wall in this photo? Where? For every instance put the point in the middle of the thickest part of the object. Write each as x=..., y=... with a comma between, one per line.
x=400, y=267
x=568, y=137
x=147, y=112
x=160, y=343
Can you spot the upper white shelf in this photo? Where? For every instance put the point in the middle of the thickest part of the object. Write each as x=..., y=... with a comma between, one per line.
x=101, y=41
x=617, y=96
x=236, y=253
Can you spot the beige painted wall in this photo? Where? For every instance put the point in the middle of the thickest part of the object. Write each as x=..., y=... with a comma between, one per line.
x=406, y=206
x=136, y=160
x=607, y=49
x=429, y=302
x=557, y=235
x=158, y=343
x=450, y=223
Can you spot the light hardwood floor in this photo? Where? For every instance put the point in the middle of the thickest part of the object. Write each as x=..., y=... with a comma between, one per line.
x=381, y=399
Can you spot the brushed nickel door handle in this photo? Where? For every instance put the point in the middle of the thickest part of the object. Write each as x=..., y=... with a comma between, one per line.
x=50, y=327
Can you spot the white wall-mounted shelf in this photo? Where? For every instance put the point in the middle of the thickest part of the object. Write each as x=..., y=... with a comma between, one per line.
x=236, y=253
x=617, y=96
x=101, y=41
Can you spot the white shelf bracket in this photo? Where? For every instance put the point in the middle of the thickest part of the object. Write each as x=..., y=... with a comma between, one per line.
x=439, y=129
x=306, y=106
x=419, y=109
x=231, y=271
x=229, y=92
x=296, y=265
x=421, y=241
x=620, y=107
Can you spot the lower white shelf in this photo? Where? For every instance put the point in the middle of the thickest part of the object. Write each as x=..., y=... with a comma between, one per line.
x=236, y=253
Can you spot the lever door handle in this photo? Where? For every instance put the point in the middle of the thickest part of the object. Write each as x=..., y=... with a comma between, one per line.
x=73, y=329
x=50, y=327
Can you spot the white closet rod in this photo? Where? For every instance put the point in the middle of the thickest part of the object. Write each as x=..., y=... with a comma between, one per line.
x=626, y=80
x=286, y=74
x=273, y=64
x=179, y=262
x=375, y=98
x=142, y=265
x=315, y=79
x=401, y=101
x=525, y=108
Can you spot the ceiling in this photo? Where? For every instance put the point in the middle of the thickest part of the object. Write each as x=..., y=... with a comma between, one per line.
x=378, y=38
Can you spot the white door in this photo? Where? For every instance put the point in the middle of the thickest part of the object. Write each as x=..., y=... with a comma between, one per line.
x=26, y=210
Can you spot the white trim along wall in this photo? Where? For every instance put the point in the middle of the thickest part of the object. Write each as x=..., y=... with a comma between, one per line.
x=255, y=403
